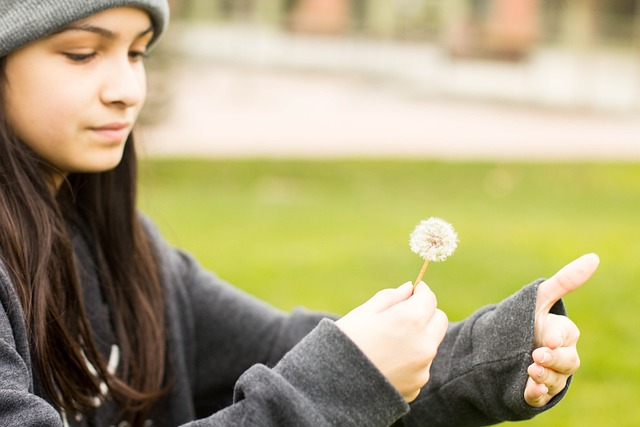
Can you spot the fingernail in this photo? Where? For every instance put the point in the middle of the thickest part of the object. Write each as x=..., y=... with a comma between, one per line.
x=405, y=285
x=545, y=357
x=540, y=371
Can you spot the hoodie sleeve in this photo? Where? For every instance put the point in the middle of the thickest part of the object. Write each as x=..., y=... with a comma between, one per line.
x=323, y=381
x=479, y=375
x=250, y=364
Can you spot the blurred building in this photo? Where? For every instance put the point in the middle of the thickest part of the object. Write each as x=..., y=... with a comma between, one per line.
x=376, y=77
x=575, y=54
x=503, y=28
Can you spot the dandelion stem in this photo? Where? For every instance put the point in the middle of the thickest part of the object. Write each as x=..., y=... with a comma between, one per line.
x=422, y=271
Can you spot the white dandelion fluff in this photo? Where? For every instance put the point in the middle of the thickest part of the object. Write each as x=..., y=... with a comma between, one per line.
x=433, y=239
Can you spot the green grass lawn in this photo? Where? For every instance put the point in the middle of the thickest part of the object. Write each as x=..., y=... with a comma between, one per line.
x=329, y=234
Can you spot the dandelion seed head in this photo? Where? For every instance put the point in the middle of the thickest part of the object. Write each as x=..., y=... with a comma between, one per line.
x=434, y=239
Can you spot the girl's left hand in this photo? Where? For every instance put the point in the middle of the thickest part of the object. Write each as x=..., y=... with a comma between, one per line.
x=556, y=357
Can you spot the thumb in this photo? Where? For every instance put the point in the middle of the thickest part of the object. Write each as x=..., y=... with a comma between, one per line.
x=568, y=279
x=387, y=298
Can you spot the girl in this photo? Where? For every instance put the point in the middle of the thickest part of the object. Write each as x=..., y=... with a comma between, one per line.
x=103, y=324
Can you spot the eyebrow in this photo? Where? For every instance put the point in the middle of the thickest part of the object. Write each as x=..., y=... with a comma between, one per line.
x=103, y=32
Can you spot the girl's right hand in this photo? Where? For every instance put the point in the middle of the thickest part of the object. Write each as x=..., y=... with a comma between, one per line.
x=399, y=331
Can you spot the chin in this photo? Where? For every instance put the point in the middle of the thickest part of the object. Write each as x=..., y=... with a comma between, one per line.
x=109, y=160
x=100, y=165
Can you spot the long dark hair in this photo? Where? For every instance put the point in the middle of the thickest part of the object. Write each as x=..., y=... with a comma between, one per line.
x=35, y=246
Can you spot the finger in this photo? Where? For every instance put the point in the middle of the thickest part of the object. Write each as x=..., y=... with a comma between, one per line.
x=554, y=381
x=567, y=280
x=559, y=331
x=564, y=360
x=437, y=328
x=388, y=297
x=535, y=394
x=419, y=307
x=423, y=298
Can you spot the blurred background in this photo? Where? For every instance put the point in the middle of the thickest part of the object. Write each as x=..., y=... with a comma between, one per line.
x=292, y=146
x=396, y=77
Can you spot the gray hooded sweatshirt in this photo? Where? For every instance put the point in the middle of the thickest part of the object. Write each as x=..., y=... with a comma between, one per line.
x=236, y=361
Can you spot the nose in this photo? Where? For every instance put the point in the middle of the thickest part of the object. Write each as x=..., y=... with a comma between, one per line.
x=124, y=83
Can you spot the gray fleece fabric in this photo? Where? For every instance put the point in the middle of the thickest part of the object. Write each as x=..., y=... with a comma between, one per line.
x=236, y=361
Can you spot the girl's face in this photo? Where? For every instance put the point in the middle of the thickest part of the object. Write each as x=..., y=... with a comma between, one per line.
x=74, y=96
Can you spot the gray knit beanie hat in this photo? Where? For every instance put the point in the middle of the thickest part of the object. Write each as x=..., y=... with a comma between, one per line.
x=23, y=21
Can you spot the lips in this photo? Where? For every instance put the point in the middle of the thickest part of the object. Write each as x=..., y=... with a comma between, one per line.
x=113, y=132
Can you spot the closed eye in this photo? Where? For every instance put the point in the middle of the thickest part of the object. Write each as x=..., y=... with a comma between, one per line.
x=79, y=57
x=138, y=55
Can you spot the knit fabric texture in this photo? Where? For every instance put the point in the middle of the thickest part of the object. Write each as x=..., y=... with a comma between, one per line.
x=23, y=21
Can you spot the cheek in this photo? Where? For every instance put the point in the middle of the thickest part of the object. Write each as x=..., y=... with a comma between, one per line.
x=34, y=118
x=40, y=105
